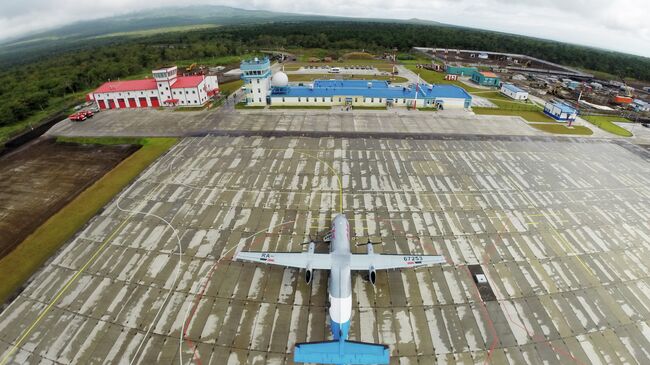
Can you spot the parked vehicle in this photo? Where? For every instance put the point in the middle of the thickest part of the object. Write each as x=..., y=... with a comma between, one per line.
x=78, y=117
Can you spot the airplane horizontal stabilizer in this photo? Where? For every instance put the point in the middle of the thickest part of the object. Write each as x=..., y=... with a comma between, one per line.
x=341, y=352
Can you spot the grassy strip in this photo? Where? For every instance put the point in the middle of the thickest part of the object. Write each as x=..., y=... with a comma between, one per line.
x=368, y=108
x=196, y=108
x=21, y=263
x=606, y=123
x=505, y=102
x=528, y=115
x=243, y=106
x=300, y=107
x=562, y=129
x=428, y=109
x=103, y=140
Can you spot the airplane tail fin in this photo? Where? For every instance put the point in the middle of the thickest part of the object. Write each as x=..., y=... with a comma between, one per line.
x=341, y=352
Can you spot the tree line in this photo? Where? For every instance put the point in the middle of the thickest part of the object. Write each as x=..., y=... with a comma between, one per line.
x=36, y=82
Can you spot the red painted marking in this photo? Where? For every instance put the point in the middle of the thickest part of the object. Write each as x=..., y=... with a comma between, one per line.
x=531, y=334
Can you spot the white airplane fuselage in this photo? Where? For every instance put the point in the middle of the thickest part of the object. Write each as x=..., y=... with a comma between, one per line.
x=340, y=281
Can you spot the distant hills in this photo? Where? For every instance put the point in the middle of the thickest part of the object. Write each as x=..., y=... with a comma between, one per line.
x=147, y=22
x=168, y=19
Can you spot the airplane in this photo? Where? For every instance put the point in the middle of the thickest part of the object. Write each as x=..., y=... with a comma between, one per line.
x=340, y=262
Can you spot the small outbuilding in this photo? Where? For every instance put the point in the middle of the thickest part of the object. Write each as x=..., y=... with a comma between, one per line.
x=486, y=78
x=513, y=92
x=560, y=111
x=461, y=70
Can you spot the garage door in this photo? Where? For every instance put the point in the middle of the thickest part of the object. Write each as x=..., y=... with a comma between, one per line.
x=154, y=102
x=121, y=103
x=102, y=104
x=111, y=104
x=132, y=103
x=143, y=103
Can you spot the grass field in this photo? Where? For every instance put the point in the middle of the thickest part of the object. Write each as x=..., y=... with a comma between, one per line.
x=528, y=115
x=300, y=107
x=562, y=129
x=606, y=123
x=19, y=265
x=230, y=87
x=148, y=32
x=311, y=77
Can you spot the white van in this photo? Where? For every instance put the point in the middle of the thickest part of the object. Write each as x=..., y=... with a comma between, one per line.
x=335, y=70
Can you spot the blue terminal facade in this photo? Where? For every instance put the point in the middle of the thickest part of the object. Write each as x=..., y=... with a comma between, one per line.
x=371, y=92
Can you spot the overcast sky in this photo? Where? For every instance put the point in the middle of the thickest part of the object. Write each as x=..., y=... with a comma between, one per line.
x=621, y=25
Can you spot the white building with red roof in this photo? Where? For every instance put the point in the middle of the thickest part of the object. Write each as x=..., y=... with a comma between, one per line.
x=164, y=89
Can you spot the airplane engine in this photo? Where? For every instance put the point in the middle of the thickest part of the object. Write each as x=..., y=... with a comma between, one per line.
x=372, y=275
x=308, y=275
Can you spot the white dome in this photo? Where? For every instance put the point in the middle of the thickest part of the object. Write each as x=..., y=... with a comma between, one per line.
x=280, y=79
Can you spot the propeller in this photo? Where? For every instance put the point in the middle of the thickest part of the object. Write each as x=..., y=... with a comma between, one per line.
x=369, y=242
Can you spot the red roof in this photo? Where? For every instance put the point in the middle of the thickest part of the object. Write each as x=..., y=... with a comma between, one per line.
x=130, y=85
x=488, y=74
x=187, y=81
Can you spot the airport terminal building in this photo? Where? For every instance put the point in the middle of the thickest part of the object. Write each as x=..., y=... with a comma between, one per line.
x=366, y=93
x=164, y=89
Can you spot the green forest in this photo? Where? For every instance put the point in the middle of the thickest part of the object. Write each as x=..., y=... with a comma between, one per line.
x=35, y=85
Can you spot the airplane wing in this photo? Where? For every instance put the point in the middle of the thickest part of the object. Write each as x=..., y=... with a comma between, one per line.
x=300, y=260
x=386, y=261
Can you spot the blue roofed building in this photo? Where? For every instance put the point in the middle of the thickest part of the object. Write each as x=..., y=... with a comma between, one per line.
x=368, y=93
x=262, y=88
x=560, y=111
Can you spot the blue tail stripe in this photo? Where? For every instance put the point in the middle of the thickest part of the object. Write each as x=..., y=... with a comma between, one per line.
x=342, y=352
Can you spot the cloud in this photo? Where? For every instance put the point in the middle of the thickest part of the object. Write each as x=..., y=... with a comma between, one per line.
x=613, y=24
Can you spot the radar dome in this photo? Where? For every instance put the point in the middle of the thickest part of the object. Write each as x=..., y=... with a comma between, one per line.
x=280, y=79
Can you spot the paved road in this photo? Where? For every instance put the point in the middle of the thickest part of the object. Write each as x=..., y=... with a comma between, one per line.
x=169, y=123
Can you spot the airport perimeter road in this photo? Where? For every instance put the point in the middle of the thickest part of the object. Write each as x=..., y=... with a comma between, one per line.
x=169, y=123
x=559, y=227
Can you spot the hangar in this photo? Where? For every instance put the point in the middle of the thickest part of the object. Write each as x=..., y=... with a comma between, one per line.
x=166, y=88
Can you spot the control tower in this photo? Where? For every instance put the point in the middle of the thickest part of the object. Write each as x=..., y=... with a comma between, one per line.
x=165, y=77
x=256, y=74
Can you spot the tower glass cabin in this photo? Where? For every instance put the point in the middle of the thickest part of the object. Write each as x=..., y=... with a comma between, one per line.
x=256, y=74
